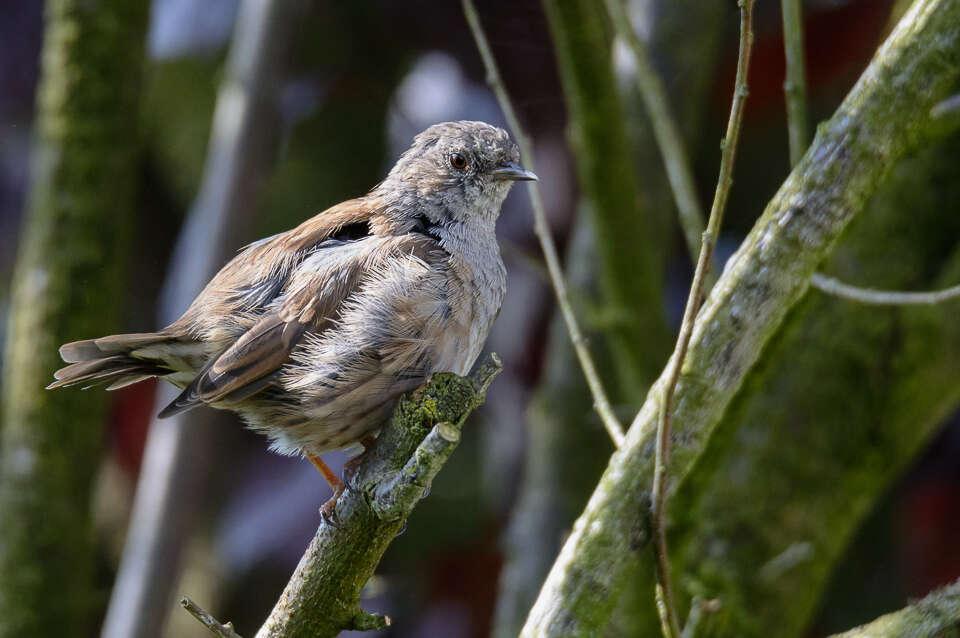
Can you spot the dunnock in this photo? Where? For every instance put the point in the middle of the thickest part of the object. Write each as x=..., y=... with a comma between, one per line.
x=312, y=334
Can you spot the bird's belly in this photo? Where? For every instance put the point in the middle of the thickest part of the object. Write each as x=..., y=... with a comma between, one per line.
x=345, y=386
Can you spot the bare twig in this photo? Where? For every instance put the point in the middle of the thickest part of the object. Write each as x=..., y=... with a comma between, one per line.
x=698, y=608
x=668, y=612
x=665, y=129
x=795, y=91
x=207, y=619
x=874, y=297
x=795, y=84
x=542, y=229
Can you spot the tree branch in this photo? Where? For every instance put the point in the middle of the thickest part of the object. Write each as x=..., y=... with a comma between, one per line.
x=841, y=402
x=542, y=229
x=795, y=84
x=323, y=595
x=938, y=614
x=206, y=619
x=874, y=297
x=669, y=621
x=880, y=120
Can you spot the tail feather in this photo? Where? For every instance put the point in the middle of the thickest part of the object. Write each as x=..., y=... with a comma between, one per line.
x=123, y=382
x=108, y=360
x=89, y=349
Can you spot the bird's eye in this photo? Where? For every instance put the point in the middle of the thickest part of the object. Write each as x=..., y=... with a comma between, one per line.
x=458, y=161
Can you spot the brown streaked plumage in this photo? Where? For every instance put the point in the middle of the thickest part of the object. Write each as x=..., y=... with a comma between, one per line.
x=312, y=334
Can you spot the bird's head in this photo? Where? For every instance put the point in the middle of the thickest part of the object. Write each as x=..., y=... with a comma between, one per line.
x=460, y=170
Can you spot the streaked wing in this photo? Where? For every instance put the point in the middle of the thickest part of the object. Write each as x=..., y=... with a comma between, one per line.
x=259, y=273
x=312, y=300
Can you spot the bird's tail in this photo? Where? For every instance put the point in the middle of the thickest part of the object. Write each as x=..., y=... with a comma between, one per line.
x=117, y=360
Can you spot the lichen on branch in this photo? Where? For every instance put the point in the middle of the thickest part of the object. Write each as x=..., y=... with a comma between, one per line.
x=323, y=595
x=938, y=614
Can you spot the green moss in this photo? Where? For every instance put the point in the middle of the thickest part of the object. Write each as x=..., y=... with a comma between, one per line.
x=323, y=595
x=843, y=398
x=936, y=615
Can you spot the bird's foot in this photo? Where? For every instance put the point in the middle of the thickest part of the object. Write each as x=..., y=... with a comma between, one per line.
x=338, y=486
x=328, y=510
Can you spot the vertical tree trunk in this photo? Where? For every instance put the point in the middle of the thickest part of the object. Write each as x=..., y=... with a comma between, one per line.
x=66, y=286
x=626, y=226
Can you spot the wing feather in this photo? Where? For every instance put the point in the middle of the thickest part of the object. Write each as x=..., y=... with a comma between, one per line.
x=312, y=300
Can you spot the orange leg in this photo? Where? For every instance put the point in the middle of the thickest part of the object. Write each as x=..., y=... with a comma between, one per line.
x=334, y=481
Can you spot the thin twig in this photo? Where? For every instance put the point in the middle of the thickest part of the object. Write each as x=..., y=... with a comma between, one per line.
x=795, y=84
x=207, y=619
x=665, y=129
x=668, y=608
x=542, y=229
x=876, y=297
x=795, y=91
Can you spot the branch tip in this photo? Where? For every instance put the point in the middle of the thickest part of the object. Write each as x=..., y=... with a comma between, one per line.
x=448, y=432
x=486, y=373
x=224, y=630
x=366, y=621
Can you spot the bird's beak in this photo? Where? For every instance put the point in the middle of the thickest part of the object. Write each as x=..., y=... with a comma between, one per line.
x=514, y=172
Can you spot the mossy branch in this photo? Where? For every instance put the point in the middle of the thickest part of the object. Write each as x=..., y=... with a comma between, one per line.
x=883, y=117
x=842, y=400
x=323, y=595
x=938, y=614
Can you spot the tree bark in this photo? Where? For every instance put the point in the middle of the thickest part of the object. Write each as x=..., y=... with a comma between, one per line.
x=66, y=286
x=882, y=118
x=844, y=397
x=936, y=616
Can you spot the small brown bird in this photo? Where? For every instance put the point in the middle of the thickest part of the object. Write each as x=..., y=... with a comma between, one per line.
x=312, y=334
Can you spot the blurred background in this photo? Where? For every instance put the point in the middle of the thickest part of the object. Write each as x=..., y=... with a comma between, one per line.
x=335, y=91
